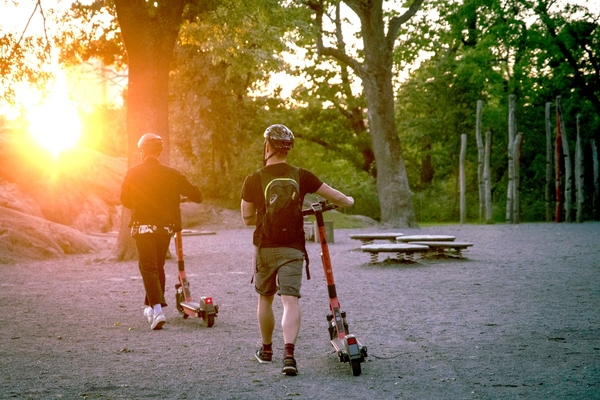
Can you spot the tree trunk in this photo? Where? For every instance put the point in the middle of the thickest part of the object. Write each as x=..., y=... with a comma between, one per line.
x=568, y=183
x=392, y=181
x=480, y=157
x=149, y=34
x=512, y=129
x=549, y=161
x=579, y=195
x=489, y=217
x=462, y=179
x=516, y=215
x=376, y=75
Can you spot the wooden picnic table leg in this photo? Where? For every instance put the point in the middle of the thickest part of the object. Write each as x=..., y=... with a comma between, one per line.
x=374, y=258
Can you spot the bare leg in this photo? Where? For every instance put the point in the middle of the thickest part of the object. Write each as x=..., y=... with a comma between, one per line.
x=290, y=322
x=266, y=319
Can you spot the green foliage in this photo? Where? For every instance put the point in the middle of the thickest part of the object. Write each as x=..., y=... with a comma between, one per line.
x=340, y=174
x=486, y=50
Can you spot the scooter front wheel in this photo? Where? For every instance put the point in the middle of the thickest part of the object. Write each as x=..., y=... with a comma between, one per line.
x=356, y=369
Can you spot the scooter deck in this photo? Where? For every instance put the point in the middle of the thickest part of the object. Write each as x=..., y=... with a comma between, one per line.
x=190, y=305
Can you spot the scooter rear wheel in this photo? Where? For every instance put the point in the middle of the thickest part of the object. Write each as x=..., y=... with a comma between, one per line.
x=209, y=320
x=178, y=300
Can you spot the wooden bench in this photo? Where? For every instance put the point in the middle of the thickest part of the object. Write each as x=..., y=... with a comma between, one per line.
x=404, y=251
x=422, y=238
x=368, y=238
x=191, y=232
x=451, y=249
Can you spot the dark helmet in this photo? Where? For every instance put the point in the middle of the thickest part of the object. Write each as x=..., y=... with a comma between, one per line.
x=150, y=142
x=279, y=137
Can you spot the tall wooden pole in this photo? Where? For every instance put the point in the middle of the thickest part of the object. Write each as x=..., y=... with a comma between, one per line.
x=512, y=129
x=596, y=174
x=480, y=156
x=489, y=218
x=568, y=182
x=463, y=198
x=579, y=169
x=549, y=163
x=516, y=217
x=558, y=163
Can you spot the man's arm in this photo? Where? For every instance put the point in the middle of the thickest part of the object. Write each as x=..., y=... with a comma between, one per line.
x=335, y=196
x=248, y=213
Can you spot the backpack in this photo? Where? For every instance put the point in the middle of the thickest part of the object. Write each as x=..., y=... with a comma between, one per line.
x=282, y=222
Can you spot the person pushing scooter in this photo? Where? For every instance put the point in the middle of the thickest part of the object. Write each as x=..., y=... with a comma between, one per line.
x=279, y=239
x=153, y=192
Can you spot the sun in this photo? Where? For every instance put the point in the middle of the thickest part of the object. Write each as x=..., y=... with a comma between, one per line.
x=55, y=123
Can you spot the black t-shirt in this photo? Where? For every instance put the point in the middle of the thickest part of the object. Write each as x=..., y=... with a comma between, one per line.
x=152, y=191
x=252, y=192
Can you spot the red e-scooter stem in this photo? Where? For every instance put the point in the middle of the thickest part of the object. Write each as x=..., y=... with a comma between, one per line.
x=347, y=346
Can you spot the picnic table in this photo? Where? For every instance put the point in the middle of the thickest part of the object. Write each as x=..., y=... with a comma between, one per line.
x=421, y=238
x=368, y=238
x=404, y=251
x=448, y=248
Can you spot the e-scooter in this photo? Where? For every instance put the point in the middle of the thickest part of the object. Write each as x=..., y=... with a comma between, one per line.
x=348, y=348
x=204, y=309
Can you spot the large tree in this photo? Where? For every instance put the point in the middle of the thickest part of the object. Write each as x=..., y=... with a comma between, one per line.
x=149, y=31
x=375, y=69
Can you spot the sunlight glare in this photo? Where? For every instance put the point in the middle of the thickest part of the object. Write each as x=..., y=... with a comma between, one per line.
x=55, y=123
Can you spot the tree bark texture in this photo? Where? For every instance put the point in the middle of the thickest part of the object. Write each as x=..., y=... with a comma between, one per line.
x=462, y=179
x=149, y=31
x=512, y=131
x=549, y=163
x=489, y=217
x=568, y=168
x=480, y=157
x=579, y=170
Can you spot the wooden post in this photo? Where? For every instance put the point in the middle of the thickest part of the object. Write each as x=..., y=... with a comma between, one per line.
x=463, y=198
x=512, y=129
x=579, y=195
x=516, y=218
x=480, y=156
x=486, y=177
x=549, y=163
x=558, y=163
x=596, y=168
x=568, y=183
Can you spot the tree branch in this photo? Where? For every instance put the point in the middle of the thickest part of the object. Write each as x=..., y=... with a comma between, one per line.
x=318, y=8
x=396, y=22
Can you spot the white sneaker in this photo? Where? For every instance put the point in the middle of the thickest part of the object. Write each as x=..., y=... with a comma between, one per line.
x=158, y=320
x=148, y=313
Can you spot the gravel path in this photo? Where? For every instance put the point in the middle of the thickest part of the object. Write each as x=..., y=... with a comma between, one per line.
x=518, y=318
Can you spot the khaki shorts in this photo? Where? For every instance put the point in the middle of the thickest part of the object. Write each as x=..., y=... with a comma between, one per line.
x=278, y=270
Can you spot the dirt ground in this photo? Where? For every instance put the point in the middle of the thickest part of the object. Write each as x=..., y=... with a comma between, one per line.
x=518, y=318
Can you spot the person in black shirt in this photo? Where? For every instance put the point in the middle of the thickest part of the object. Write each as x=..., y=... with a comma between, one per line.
x=153, y=192
x=278, y=269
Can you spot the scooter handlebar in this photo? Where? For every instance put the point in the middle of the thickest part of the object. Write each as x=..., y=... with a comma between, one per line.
x=321, y=206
